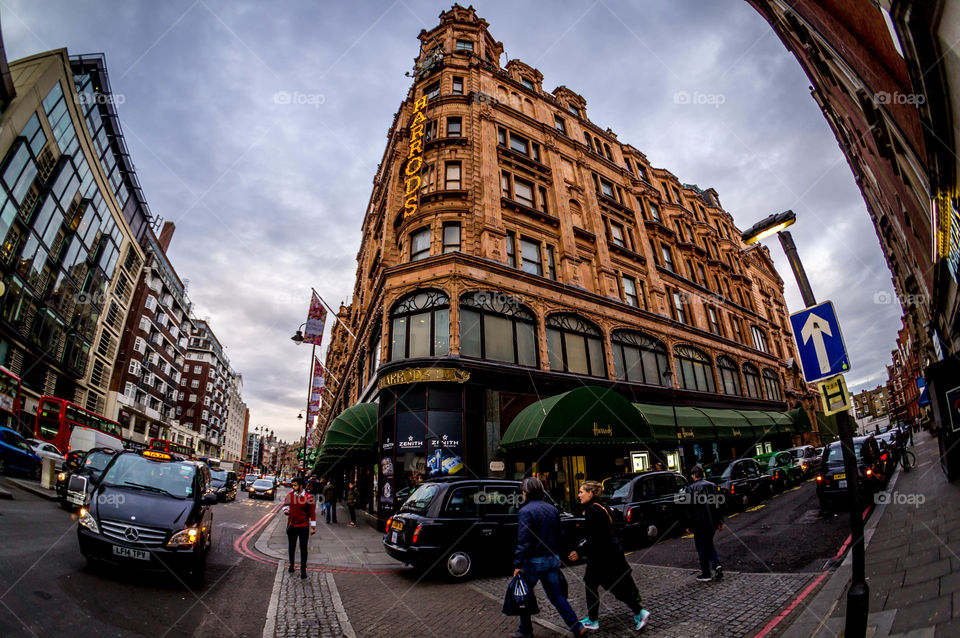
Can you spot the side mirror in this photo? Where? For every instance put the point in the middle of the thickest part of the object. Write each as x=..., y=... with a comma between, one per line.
x=209, y=499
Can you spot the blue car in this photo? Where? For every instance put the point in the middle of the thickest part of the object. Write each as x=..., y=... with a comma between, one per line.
x=16, y=455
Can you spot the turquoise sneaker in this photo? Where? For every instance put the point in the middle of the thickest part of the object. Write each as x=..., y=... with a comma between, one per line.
x=590, y=624
x=641, y=619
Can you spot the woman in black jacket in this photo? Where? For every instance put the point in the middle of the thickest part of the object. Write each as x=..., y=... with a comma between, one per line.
x=606, y=566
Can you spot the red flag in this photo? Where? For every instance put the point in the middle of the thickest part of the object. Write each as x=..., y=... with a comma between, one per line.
x=316, y=318
x=316, y=390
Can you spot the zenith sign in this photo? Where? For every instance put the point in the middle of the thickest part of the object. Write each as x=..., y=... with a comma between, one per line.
x=816, y=332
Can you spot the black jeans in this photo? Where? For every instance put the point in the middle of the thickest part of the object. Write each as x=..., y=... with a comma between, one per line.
x=706, y=551
x=353, y=513
x=620, y=585
x=303, y=533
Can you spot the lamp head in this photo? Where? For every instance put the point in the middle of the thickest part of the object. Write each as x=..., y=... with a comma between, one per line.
x=769, y=226
x=297, y=338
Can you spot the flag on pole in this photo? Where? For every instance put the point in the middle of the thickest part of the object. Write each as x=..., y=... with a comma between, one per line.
x=316, y=391
x=313, y=331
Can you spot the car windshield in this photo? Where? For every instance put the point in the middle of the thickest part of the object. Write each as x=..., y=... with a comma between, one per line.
x=263, y=483
x=617, y=488
x=715, y=470
x=421, y=497
x=171, y=477
x=219, y=475
x=97, y=460
x=836, y=453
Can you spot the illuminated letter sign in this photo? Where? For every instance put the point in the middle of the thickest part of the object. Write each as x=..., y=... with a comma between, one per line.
x=412, y=182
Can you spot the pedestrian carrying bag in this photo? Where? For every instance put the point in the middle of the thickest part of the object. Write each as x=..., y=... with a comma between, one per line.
x=519, y=600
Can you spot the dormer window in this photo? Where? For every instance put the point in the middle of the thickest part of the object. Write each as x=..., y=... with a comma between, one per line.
x=573, y=110
x=527, y=83
x=464, y=45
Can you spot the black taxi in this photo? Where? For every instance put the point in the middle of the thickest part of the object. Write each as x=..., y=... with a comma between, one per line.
x=454, y=525
x=646, y=505
x=150, y=511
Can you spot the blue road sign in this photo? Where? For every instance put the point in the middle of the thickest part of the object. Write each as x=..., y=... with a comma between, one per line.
x=816, y=332
x=924, y=399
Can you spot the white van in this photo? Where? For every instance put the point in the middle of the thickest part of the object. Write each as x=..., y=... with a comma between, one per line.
x=83, y=439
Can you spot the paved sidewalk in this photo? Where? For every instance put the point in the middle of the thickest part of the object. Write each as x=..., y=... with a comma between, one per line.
x=680, y=607
x=302, y=608
x=335, y=547
x=31, y=486
x=912, y=556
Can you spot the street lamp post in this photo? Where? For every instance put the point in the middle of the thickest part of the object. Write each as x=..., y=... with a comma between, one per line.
x=858, y=596
x=297, y=338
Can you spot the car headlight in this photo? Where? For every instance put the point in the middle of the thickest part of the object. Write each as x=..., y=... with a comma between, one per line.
x=184, y=538
x=251, y=489
x=88, y=521
x=269, y=492
x=62, y=476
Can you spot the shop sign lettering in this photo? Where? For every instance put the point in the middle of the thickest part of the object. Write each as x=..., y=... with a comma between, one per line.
x=411, y=174
x=419, y=375
x=597, y=430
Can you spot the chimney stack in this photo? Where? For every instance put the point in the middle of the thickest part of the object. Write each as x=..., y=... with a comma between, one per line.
x=166, y=234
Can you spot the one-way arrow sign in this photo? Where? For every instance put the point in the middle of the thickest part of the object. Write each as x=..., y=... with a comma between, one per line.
x=816, y=332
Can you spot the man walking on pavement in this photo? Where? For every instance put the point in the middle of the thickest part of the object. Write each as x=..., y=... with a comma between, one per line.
x=704, y=519
x=537, y=555
x=330, y=500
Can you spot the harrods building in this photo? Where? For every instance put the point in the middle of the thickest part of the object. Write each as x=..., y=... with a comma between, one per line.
x=534, y=296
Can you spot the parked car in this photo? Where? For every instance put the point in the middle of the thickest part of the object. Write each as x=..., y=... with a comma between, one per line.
x=262, y=488
x=807, y=455
x=832, y=480
x=248, y=480
x=47, y=451
x=742, y=482
x=457, y=524
x=224, y=485
x=82, y=472
x=783, y=467
x=647, y=505
x=152, y=513
x=16, y=455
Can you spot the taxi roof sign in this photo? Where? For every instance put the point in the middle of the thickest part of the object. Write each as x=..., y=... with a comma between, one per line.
x=155, y=454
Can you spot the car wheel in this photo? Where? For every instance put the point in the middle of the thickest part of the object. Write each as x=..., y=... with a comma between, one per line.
x=37, y=472
x=459, y=565
x=652, y=534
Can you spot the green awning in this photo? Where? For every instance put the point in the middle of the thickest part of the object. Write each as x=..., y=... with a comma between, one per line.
x=730, y=424
x=667, y=424
x=586, y=415
x=353, y=430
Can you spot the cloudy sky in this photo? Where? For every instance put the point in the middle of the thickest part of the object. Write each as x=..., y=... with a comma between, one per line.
x=268, y=196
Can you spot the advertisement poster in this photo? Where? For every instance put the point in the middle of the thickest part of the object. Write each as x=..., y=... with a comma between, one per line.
x=444, y=444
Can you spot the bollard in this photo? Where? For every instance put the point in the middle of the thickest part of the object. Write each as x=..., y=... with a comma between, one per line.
x=48, y=473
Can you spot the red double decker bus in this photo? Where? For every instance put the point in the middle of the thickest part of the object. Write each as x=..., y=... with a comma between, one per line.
x=174, y=449
x=9, y=400
x=70, y=427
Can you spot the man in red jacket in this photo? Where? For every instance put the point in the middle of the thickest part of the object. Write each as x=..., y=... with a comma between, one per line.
x=301, y=522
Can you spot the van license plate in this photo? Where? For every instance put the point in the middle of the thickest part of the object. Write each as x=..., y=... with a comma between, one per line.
x=396, y=524
x=842, y=484
x=839, y=476
x=139, y=554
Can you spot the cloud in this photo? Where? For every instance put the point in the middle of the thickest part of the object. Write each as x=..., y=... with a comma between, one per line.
x=269, y=197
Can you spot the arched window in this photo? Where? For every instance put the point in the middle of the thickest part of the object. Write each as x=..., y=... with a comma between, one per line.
x=695, y=369
x=771, y=382
x=420, y=326
x=751, y=381
x=494, y=326
x=729, y=376
x=573, y=345
x=638, y=358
